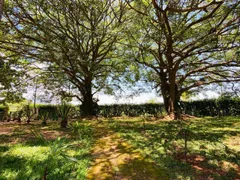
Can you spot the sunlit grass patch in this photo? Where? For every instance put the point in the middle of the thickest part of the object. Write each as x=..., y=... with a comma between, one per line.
x=233, y=142
x=36, y=152
x=59, y=157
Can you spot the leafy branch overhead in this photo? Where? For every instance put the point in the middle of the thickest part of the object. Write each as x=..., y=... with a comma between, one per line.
x=98, y=46
x=77, y=40
x=187, y=44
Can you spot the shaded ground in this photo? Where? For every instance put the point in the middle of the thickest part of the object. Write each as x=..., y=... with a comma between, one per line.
x=213, y=150
x=115, y=159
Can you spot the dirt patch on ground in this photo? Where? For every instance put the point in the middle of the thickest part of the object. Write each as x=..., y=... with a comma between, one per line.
x=14, y=132
x=115, y=159
x=204, y=171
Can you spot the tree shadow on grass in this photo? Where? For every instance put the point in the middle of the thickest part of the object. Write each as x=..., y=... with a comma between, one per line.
x=115, y=159
x=161, y=142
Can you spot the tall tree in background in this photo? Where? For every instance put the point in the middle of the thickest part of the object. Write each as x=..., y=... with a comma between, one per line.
x=186, y=44
x=76, y=39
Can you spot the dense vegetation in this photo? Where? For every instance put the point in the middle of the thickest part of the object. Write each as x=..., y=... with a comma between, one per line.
x=61, y=51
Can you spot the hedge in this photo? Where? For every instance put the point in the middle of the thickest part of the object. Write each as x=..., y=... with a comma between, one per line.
x=209, y=107
x=224, y=106
x=213, y=107
x=130, y=110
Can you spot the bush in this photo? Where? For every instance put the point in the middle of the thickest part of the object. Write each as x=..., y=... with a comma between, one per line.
x=228, y=105
x=206, y=107
x=64, y=111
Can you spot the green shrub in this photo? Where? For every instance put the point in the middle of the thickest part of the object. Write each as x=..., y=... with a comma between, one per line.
x=81, y=130
x=64, y=111
x=225, y=106
x=28, y=111
x=206, y=107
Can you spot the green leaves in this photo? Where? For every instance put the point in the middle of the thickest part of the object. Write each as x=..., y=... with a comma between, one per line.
x=64, y=110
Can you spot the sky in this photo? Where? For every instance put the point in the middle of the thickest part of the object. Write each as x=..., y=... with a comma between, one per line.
x=142, y=98
x=149, y=97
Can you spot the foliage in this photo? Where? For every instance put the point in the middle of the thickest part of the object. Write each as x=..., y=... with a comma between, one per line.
x=81, y=130
x=28, y=112
x=1, y=8
x=3, y=112
x=76, y=40
x=64, y=111
x=213, y=107
x=208, y=107
x=184, y=45
x=44, y=117
x=11, y=87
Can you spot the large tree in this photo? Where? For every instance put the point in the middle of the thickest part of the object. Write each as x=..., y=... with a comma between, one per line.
x=76, y=39
x=185, y=44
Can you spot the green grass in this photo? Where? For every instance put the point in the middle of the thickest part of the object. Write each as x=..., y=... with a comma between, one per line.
x=213, y=145
x=59, y=153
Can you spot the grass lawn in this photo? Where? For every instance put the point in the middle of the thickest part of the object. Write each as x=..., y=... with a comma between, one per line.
x=30, y=151
x=197, y=148
x=212, y=145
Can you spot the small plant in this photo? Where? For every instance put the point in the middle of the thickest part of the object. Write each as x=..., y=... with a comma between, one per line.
x=64, y=110
x=58, y=149
x=82, y=130
x=44, y=116
x=28, y=112
x=185, y=133
x=38, y=135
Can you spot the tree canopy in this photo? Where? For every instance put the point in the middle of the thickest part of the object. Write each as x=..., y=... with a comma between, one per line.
x=186, y=44
x=76, y=39
x=180, y=45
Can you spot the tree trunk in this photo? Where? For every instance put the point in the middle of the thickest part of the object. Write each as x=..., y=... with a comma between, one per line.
x=64, y=123
x=171, y=96
x=1, y=8
x=87, y=108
